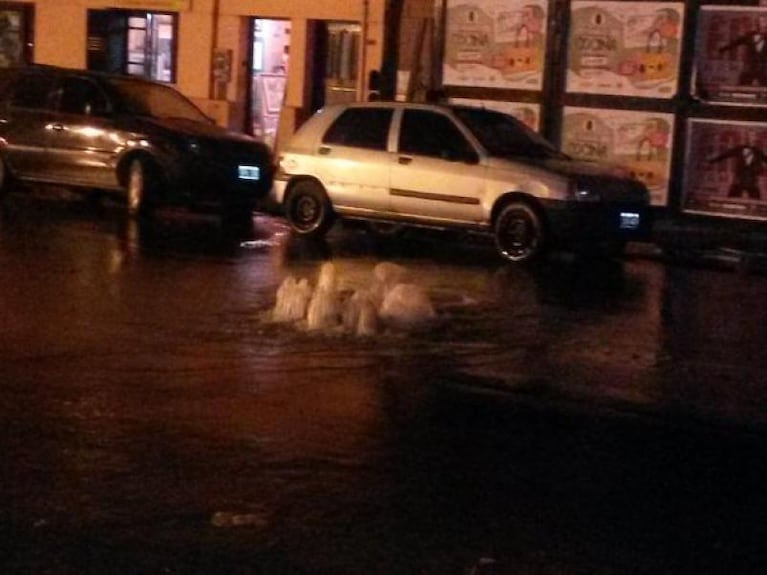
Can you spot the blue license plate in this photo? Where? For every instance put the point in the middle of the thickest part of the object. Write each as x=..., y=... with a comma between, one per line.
x=252, y=173
x=629, y=220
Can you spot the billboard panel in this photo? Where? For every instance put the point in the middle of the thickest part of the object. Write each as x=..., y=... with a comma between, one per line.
x=495, y=44
x=624, y=48
x=725, y=169
x=731, y=55
x=641, y=142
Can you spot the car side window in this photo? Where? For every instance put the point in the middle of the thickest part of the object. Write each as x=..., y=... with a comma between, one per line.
x=425, y=133
x=32, y=91
x=82, y=96
x=361, y=127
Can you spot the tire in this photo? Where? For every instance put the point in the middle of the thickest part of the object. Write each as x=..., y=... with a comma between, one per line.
x=520, y=235
x=140, y=187
x=308, y=209
x=615, y=249
x=386, y=229
x=5, y=179
x=4, y=185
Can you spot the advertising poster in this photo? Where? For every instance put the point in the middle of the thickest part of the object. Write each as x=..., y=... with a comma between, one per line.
x=641, y=142
x=495, y=44
x=731, y=55
x=528, y=114
x=725, y=169
x=624, y=48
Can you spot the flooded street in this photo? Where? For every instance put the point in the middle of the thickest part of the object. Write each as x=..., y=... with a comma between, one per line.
x=580, y=416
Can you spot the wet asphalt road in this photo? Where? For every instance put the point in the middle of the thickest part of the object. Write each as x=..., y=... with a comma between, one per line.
x=577, y=417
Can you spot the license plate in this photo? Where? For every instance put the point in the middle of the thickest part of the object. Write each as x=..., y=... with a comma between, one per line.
x=249, y=173
x=629, y=220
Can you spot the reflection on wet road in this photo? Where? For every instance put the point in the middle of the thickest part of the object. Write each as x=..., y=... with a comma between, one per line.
x=577, y=417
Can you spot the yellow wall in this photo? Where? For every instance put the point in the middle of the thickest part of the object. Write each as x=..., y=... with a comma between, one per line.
x=308, y=9
x=60, y=30
x=60, y=39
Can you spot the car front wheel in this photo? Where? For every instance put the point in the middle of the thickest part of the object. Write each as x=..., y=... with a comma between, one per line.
x=140, y=186
x=308, y=210
x=519, y=233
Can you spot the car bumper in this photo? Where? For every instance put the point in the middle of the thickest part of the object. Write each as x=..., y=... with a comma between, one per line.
x=598, y=221
x=208, y=186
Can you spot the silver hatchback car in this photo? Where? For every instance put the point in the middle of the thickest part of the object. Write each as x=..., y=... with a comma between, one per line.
x=453, y=167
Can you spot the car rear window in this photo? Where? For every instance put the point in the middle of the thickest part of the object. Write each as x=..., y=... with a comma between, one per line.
x=81, y=96
x=361, y=127
x=32, y=91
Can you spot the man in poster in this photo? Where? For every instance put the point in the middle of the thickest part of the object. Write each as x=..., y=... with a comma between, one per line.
x=748, y=163
x=754, y=51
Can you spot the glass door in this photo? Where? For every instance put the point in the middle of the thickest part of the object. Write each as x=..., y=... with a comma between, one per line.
x=342, y=62
x=270, y=52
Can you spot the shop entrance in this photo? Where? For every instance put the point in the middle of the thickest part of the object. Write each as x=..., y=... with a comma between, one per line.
x=333, y=68
x=270, y=50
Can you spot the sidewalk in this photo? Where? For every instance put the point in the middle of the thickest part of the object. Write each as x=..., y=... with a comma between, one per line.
x=719, y=242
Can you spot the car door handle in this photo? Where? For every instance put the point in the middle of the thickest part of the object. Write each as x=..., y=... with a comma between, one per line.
x=324, y=150
x=56, y=127
x=404, y=160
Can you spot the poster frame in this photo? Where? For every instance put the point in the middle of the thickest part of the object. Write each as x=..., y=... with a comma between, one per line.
x=720, y=206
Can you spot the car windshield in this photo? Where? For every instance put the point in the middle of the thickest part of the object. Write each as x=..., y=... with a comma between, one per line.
x=156, y=101
x=505, y=136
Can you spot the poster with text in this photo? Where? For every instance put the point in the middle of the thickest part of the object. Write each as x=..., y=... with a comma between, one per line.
x=528, y=114
x=641, y=142
x=731, y=55
x=725, y=169
x=624, y=48
x=495, y=44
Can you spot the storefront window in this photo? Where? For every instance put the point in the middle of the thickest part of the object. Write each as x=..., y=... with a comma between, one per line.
x=137, y=43
x=342, y=62
x=14, y=23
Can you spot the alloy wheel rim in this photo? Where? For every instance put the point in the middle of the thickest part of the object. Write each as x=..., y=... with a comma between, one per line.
x=519, y=238
x=307, y=212
x=135, y=187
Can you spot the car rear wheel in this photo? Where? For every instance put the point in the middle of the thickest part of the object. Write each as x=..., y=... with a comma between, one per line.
x=308, y=209
x=5, y=178
x=520, y=235
x=140, y=187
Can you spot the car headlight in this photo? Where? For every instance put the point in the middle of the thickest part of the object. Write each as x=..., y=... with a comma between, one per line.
x=583, y=193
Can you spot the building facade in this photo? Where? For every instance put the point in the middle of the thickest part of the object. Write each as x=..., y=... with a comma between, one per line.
x=675, y=91
x=259, y=66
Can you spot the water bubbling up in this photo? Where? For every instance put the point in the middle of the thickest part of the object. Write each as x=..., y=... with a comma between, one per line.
x=387, y=302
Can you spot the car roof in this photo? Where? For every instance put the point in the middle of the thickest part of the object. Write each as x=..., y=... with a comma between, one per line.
x=61, y=70
x=394, y=104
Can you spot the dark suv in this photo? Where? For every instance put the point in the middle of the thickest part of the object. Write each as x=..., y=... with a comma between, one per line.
x=138, y=138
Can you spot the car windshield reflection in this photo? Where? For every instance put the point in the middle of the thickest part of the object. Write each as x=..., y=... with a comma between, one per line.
x=504, y=136
x=156, y=101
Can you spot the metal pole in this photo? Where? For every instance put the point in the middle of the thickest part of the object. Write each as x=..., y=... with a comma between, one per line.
x=362, y=73
x=214, y=19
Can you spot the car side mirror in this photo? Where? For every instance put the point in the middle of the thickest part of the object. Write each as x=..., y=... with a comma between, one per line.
x=471, y=157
